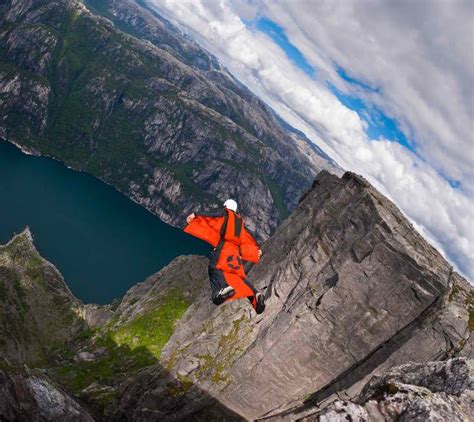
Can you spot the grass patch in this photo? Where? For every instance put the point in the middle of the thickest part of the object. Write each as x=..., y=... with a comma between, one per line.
x=23, y=306
x=14, y=248
x=216, y=366
x=86, y=334
x=125, y=350
x=180, y=386
x=35, y=261
x=153, y=329
x=174, y=356
x=392, y=389
x=112, y=367
x=454, y=291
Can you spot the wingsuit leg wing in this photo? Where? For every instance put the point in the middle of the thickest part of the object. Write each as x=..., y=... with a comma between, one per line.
x=241, y=288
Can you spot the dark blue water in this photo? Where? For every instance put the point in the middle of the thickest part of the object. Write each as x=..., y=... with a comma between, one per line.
x=102, y=242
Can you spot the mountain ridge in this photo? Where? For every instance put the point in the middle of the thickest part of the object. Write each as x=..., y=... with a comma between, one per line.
x=167, y=133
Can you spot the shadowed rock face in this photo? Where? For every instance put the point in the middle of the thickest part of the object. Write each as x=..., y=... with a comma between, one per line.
x=29, y=397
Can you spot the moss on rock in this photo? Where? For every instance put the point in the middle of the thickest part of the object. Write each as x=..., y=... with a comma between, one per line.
x=153, y=328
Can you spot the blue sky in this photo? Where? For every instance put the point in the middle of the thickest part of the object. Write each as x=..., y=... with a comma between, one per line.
x=379, y=124
x=278, y=35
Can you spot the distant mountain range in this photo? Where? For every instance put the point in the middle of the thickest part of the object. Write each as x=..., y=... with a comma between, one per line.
x=111, y=88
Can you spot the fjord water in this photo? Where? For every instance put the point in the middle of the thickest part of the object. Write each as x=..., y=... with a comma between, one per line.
x=102, y=242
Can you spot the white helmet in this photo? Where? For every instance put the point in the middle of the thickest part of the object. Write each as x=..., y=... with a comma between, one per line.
x=231, y=205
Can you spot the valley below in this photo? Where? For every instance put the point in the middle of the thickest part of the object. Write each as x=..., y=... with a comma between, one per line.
x=100, y=241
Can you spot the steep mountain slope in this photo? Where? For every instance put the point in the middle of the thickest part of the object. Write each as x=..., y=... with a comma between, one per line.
x=142, y=107
x=352, y=290
x=89, y=349
x=37, y=310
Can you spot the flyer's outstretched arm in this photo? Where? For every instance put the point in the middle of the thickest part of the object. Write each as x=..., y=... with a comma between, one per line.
x=205, y=226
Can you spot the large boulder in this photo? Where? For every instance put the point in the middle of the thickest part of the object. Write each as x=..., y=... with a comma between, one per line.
x=35, y=398
x=431, y=391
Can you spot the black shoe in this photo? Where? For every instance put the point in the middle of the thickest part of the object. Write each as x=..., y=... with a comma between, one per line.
x=260, y=306
x=222, y=295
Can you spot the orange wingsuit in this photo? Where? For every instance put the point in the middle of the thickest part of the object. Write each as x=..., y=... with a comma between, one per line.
x=233, y=244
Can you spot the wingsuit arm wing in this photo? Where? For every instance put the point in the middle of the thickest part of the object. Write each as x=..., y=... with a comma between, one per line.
x=249, y=247
x=206, y=228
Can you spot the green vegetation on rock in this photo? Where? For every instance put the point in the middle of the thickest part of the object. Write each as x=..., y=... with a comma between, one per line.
x=120, y=352
x=470, y=305
x=3, y=291
x=215, y=367
x=153, y=329
x=114, y=362
x=33, y=299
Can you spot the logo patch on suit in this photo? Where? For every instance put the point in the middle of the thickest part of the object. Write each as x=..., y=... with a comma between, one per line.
x=234, y=262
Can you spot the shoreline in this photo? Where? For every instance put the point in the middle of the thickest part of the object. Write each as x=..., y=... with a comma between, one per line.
x=13, y=155
x=35, y=153
x=23, y=149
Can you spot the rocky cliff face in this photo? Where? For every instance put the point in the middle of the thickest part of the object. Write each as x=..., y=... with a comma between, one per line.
x=434, y=391
x=352, y=290
x=111, y=88
x=37, y=310
x=33, y=397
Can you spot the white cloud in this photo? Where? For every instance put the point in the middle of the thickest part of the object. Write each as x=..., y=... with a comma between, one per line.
x=420, y=54
x=416, y=53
